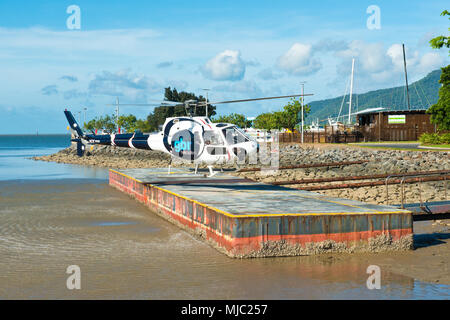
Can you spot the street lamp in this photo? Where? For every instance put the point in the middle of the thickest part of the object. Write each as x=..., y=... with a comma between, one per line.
x=206, y=101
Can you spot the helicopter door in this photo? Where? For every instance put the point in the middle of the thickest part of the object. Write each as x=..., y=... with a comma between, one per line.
x=214, y=143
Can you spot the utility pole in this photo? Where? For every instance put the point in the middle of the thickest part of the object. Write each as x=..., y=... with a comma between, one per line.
x=406, y=76
x=85, y=109
x=351, y=93
x=303, y=98
x=206, y=101
x=117, y=114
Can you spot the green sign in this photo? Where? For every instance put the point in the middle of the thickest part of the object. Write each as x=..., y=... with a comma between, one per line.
x=398, y=118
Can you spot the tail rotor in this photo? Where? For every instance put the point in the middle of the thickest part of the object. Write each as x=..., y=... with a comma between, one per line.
x=77, y=133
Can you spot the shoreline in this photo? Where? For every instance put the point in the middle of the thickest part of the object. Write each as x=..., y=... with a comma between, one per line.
x=379, y=162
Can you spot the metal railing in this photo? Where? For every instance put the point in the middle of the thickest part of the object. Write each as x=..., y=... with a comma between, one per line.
x=420, y=180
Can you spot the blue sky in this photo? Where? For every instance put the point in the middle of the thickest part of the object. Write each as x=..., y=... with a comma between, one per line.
x=238, y=49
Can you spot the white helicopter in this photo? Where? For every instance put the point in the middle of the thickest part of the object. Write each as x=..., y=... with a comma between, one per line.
x=191, y=138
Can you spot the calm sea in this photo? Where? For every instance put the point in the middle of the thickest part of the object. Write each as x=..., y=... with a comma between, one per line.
x=55, y=215
x=15, y=162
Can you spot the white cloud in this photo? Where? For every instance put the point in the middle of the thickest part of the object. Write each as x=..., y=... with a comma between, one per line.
x=177, y=84
x=227, y=65
x=118, y=41
x=330, y=45
x=298, y=60
x=246, y=89
x=252, y=63
x=430, y=61
x=164, y=64
x=371, y=57
x=415, y=62
x=49, y=90
x=74, y=94
x=268, y=74
x=375, y=65
x=395, y=52
x=124, y=83
x=69, y=78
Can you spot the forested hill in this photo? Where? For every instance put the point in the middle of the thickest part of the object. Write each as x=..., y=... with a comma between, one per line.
x=422, y=93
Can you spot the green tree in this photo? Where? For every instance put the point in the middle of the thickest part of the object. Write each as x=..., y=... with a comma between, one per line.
x=106, y=122
x=441, y=41
x=130, y=123
x=263, y=121
x=127, y=122
x=235, y=118
x=159, y=115
x=143, y=126
x=440, y=112
x=91, y=125
x=292, y=114
x=288, y=118
x=269, y=120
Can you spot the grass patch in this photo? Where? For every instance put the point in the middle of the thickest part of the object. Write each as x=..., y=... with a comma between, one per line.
x=384, y=142
x=438, y=145
x=375, y=147
x=399, y=149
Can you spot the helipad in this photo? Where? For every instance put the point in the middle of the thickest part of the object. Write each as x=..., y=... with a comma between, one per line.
x=244, y=218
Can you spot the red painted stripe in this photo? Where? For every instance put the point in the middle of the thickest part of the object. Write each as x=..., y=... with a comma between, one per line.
x=396, y=234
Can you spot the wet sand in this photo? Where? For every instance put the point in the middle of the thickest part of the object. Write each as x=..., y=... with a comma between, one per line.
x=125, y=251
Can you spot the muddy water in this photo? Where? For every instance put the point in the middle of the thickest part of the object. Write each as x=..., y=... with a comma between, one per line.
x=124, y=251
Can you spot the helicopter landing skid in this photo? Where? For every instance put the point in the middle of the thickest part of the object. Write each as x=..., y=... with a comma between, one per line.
x=211, y=172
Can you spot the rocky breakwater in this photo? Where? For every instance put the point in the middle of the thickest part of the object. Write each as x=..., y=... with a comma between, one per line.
x=379, y=162
x=110, y=157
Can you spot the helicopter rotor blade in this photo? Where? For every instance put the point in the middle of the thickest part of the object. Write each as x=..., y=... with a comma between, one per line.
x=165, y=103
x=168, y=103
x=254, y=99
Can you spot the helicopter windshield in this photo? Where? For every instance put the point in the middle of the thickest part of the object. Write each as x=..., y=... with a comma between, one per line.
x=234, y=136
x=212, y=138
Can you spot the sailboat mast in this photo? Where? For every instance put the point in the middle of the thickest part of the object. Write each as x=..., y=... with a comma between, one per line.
x=351, y=93
x=406, y=77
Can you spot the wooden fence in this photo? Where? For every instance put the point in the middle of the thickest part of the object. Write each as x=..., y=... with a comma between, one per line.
x=346, y=134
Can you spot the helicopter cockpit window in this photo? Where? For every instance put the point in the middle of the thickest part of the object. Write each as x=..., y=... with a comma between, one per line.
x=212, y=138
x=234, y=136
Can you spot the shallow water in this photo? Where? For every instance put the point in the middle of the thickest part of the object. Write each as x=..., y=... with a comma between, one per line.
x=125, y=251
x=53, y=216
x=15, y=162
